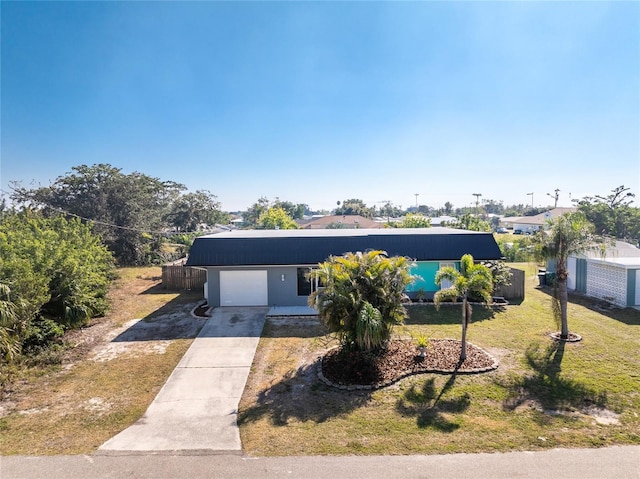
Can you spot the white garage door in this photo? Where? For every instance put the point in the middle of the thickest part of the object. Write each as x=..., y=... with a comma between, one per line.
x=243, y=288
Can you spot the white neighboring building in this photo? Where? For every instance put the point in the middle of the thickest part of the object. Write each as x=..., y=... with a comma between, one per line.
x=613, y=277
x=531, y=224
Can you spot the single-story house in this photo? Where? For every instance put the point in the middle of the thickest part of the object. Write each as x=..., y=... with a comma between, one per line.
x=613, y=276
x=531, y=224
x=443, y=220
x=269, y=267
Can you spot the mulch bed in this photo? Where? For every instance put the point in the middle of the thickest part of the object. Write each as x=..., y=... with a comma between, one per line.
x=400, y=359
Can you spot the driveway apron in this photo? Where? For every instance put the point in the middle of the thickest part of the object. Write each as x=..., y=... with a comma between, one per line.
x=197, y=408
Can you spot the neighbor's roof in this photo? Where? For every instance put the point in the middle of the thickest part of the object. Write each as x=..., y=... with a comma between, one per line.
x=349, y=221
x=539, y=219
x=620, y=253
x=300, y=247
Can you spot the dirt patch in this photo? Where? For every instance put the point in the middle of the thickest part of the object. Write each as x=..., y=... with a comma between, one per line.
x=148, y=336
x=143, y=320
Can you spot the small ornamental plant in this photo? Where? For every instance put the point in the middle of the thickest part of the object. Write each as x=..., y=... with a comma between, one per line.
x=423, y=343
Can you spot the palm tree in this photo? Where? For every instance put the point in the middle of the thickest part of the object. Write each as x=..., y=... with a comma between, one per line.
x=566, y=235
x=473, y=280
x=9, y=339
x=361, y=298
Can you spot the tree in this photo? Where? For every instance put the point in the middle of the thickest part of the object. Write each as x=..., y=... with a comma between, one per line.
x=255, y=211
x=127, y=211
x=493, y=207
x=362, y=297
x=471, y=223
x=276, y=218
x=295, y=211
x=55, y=267
x=55, y=274
x=9, y=325
x=415, y=221
x=354, y=207
x=389, y=210
x=568, y=234
x=613, y=215
x=473, y=280
x=191, y=209
x=448, y=208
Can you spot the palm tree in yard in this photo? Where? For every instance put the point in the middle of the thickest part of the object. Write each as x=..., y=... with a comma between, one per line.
x=473, y=280
x=9, y=339
x=566, y=235
x=362, y=295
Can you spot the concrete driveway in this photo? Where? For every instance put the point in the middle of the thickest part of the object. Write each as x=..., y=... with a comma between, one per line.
x=196, y=410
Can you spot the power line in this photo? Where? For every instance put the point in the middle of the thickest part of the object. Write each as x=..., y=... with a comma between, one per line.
x=103, y=223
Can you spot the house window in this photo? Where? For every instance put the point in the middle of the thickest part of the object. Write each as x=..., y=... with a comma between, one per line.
x=306, y=286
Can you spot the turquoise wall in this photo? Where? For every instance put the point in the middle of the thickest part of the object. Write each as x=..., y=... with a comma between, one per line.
x=631, y=287
x=427, y=271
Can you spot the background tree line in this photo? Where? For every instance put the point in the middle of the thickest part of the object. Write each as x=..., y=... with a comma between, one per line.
x=132, y=213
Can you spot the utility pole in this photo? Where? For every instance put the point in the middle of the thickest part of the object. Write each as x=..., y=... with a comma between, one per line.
x=531, y=199
x=416, y=195
x=556, y=196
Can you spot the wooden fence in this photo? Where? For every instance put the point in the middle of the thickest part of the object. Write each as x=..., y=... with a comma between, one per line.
x=179, y=277
x=516, y=289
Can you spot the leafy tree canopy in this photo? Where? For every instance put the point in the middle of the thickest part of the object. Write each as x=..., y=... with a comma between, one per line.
x=389, y=210
x=276, y=218
x=125, y=209
x=613, y=215
x=472, y=223
x=414, y=221
x=354, y=207
x=51, y=268
x=192, y=209
x=295, y=211
x=260, y=207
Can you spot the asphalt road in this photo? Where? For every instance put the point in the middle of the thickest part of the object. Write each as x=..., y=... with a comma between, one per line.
x=621, y=462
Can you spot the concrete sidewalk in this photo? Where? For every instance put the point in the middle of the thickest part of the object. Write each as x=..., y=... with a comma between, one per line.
x=196, y=410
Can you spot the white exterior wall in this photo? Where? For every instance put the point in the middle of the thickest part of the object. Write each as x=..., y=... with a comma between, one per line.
x=572, y=268
x=606, y=281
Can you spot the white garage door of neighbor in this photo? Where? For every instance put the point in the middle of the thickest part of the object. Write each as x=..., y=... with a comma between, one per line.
x=243, y=288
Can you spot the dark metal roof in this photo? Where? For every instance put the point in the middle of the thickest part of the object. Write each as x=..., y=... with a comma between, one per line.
x=302, y=247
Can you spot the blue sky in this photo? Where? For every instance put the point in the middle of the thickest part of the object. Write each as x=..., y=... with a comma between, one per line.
x=317, y=102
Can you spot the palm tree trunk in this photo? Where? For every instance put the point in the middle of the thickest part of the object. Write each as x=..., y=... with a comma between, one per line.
x=563, y=299
x=465, y=322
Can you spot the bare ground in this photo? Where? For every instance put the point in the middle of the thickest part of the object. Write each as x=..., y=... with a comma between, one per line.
x=143, y=320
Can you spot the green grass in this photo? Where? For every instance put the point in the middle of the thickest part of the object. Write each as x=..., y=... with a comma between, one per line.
x=540, y=397
x=74, y=407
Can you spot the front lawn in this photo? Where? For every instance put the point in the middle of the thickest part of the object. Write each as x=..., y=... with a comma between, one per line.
x=543, y=395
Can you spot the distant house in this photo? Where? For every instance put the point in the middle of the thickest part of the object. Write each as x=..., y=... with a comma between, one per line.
x=269, y=267
x=530, y=224
x=443, y=220
x=339, y=221
x=613, y=276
